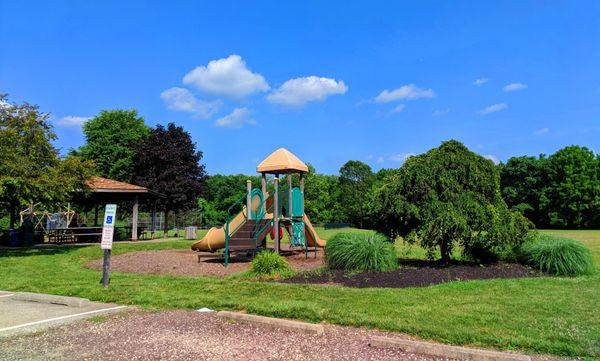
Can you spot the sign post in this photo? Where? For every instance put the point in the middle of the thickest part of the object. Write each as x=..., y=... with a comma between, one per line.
x=108, y=231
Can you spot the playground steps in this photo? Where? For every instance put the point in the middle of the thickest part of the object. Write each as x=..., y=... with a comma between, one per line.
x=243, y=238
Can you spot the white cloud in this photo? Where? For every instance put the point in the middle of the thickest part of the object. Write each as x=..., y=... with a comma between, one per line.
x=493, y=158
x=513, y=87
x=480, y=81
x=71, y=121
x=493, y=108
x=401, y=157
x=408, y=92
x=380, y=160
x=236, y=119
x=398, y=108
x=228, y=77
x=182, y=100
x=541, y=131
x=299, y=91
x=440, y=112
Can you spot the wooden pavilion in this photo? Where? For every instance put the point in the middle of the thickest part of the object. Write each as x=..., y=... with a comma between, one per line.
x=104, y=191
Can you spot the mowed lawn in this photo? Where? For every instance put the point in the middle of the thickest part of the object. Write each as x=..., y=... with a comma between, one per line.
x=543, y=315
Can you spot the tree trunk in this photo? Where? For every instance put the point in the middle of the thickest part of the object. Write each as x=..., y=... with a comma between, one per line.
x=445, y=251
x=13, y=215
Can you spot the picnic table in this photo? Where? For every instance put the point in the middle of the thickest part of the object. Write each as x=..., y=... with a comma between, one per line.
x=74, y=234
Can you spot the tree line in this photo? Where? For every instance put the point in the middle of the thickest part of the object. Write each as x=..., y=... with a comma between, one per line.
x=561, y=190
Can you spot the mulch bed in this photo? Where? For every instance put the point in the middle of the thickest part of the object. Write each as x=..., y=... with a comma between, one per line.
x=416, y=274
x=184, y=262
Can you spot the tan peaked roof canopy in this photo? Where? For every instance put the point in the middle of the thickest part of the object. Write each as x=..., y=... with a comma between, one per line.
x=281, y=161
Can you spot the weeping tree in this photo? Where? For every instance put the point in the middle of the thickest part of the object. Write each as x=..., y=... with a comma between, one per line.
x=449, y=197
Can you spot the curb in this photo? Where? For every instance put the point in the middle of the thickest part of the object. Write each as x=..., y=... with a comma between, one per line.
x=456, y=352
x=274, y=322
x=59, y=300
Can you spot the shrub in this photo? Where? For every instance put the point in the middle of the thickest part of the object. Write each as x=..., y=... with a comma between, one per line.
x=268, y=263
x=558, y=256
x=360, y=252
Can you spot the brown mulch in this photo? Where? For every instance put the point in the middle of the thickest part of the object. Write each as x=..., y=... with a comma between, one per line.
x=186, y=335
x=185, y=263
x=416, y=274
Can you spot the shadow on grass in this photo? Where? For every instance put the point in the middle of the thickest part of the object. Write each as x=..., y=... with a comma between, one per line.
x=38, y=251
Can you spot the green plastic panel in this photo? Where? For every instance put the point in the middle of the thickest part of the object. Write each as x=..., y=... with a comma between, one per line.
x=297, y=203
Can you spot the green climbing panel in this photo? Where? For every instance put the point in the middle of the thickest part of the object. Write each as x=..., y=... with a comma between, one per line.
x=298, y=238
x=297, y=203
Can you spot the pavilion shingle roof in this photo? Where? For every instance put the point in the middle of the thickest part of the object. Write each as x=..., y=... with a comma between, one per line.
x=105, y=184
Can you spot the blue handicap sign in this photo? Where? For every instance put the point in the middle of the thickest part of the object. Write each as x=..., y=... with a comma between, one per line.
x=109, y=219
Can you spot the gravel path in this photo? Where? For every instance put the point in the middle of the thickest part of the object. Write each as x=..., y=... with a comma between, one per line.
x=185, y=263
x=185, y=335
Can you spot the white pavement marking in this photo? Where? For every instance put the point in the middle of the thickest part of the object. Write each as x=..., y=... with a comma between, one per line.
x=11, y=294
x=60, y=318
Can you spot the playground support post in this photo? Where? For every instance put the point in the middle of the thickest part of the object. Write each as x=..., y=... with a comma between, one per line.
x=276, y=212
x=248, y=200
x=289, y=180
x=263, y=186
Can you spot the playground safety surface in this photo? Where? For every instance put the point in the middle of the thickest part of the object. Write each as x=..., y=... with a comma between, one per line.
x=185, y=263
x=416, y=274
x=184, y=335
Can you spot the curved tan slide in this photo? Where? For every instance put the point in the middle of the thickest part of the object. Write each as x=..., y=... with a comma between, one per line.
x=311, y=235
x=215, y=238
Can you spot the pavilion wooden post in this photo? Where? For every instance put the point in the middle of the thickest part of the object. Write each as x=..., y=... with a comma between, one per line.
x=134, y=220
x=96, y=215
x=263, y=187
x=153, y=220
x=248, y=198
x=276, y=213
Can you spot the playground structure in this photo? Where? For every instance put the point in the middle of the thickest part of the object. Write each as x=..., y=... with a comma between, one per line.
x=263, y=214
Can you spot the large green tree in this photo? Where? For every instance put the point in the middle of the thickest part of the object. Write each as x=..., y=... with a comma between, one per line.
x=572, y=198
x=223, y=191
x=560, y=191
x=523, y=180
x=449, y=197
x=321, y=197
x=167, y=161
x=31, y=170
x=111, y=138
x=356, y=181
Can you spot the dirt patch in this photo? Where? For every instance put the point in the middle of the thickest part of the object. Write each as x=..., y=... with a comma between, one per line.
x=416, y=274
x=185, y=335
x=185, y=263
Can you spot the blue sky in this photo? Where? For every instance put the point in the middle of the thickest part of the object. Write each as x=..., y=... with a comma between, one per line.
x=331, y=81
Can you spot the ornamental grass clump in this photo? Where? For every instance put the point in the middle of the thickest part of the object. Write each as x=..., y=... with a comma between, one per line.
x=268, y=263
x=557, y=256
x=360, y=252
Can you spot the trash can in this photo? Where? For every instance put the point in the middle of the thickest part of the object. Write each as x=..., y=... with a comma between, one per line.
x=190, y=232
x=14, y=237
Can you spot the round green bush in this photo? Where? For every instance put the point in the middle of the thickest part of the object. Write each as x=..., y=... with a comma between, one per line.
x=268, y=263
x=360, y=252
x=558, y=256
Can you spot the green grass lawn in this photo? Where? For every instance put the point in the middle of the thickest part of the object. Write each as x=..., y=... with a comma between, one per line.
x=542, y=315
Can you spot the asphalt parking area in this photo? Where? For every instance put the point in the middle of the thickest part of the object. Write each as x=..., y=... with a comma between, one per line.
x=23, y=313
x=187, y=335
